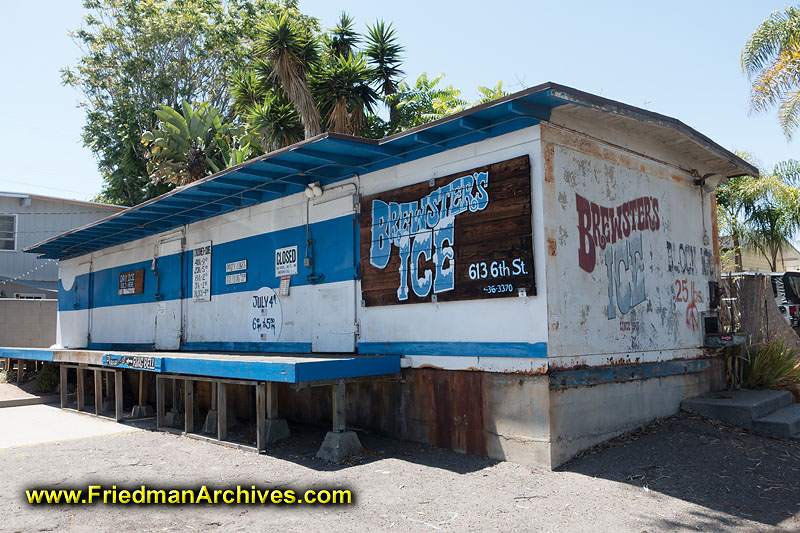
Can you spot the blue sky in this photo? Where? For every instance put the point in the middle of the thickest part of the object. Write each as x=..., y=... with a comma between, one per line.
x=677, y=58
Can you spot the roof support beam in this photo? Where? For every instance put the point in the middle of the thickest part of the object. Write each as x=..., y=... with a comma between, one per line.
x=193, y=205
x=475, y=125
x=382, y=150
x=529, y=109
x=338, y=159
x=426, y=137
x=252, y=185
x=211, y=198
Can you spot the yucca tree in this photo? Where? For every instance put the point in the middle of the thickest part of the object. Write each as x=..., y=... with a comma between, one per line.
x=385, y=58
x=342, y=90
x=192, y=144
x=276, y=121
x=771, y=60
x=342, y=40
x=291, y=49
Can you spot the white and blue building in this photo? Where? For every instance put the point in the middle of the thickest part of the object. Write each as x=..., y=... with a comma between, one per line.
x=521, y=280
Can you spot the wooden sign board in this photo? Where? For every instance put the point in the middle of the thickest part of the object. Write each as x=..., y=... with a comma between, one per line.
x=462, y=237
x=131, y=282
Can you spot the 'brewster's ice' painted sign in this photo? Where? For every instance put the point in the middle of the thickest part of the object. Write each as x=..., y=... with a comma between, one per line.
x=459, y=237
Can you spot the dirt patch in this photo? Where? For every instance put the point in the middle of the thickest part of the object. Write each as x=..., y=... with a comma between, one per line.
x=683, y=473
x=12, y=391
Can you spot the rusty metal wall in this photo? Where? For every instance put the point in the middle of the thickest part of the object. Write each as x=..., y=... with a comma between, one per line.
x=438, y=407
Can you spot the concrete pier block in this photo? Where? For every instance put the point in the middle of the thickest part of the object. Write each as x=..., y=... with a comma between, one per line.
x=170, y=417
x=143, y=411
x=210, y=425
x=277, y=429
x=338, y=445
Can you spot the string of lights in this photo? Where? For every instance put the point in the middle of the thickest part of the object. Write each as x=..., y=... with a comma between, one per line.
x=44, y=263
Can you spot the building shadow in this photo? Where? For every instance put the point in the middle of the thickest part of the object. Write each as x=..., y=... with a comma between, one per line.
x=725, y=469
x=301, y=448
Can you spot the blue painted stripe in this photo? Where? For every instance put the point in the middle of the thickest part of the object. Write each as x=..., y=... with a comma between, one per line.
x=347, y=368
x=335, y=256
x=615, y=374
x=122, y=346
x=261, y=347
x=285, y=372
x=31, y=354
x=473, y=349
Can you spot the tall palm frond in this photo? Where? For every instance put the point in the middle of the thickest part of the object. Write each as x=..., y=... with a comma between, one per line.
x=771, y=60
x=246, y=89
x=343, y=92
x=291, y=50
x=342, y=40
x=385, y=57
x=276, y=121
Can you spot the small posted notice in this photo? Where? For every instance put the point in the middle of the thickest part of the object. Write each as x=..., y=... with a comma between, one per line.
x=201, y=272
x=286, y=261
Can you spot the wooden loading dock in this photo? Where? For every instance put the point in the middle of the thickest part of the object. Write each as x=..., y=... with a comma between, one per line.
x=261, y=371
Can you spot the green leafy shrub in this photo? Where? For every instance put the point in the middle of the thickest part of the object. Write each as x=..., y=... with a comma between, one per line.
x=769, y=366
x=47, y=378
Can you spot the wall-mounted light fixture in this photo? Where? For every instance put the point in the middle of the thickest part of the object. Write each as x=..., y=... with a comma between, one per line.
x=708, y=182
x=313, y=190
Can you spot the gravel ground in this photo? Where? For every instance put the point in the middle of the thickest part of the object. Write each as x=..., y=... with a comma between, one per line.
x=10, y=391
x=681, y=473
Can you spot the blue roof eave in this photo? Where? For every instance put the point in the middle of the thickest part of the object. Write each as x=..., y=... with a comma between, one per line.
x=326, y=158
x=333, y=157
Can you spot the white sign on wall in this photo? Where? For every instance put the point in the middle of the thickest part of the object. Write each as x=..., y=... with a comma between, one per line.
x=236, y=265
x=286, y=261
x=201, y=272
x=266, y=316
x=239, y=277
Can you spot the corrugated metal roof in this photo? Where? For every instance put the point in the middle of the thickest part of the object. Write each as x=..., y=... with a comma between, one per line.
x=333, y=157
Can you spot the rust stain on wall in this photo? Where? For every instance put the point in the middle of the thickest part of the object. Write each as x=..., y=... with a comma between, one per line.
x=549, y=155
x=552, y=136
x=552, y=247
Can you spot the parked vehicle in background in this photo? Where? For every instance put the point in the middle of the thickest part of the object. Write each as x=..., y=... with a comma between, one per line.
x=786, y=289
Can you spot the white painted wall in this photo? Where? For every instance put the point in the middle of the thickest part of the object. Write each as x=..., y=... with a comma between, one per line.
x=592, y=321
x=325, y=315
x=570, y=313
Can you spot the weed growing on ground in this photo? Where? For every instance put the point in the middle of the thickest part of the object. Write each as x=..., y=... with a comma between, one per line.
x=769, y=366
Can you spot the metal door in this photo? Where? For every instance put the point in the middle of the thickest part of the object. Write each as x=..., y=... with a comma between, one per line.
x=334, y=319
x=168, y=270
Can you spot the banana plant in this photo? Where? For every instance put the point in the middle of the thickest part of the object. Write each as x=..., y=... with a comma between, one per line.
x=192, y=144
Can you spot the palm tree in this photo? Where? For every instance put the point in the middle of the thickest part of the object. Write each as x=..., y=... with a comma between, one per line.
x=291, y=49
x=771, y=60
x=762, y=213
x=276, y=121
x=385, y=58
x=342, y=40
x=343, y=93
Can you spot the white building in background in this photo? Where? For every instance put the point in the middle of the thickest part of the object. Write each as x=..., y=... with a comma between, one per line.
x=754, y=261
x=26, y=219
